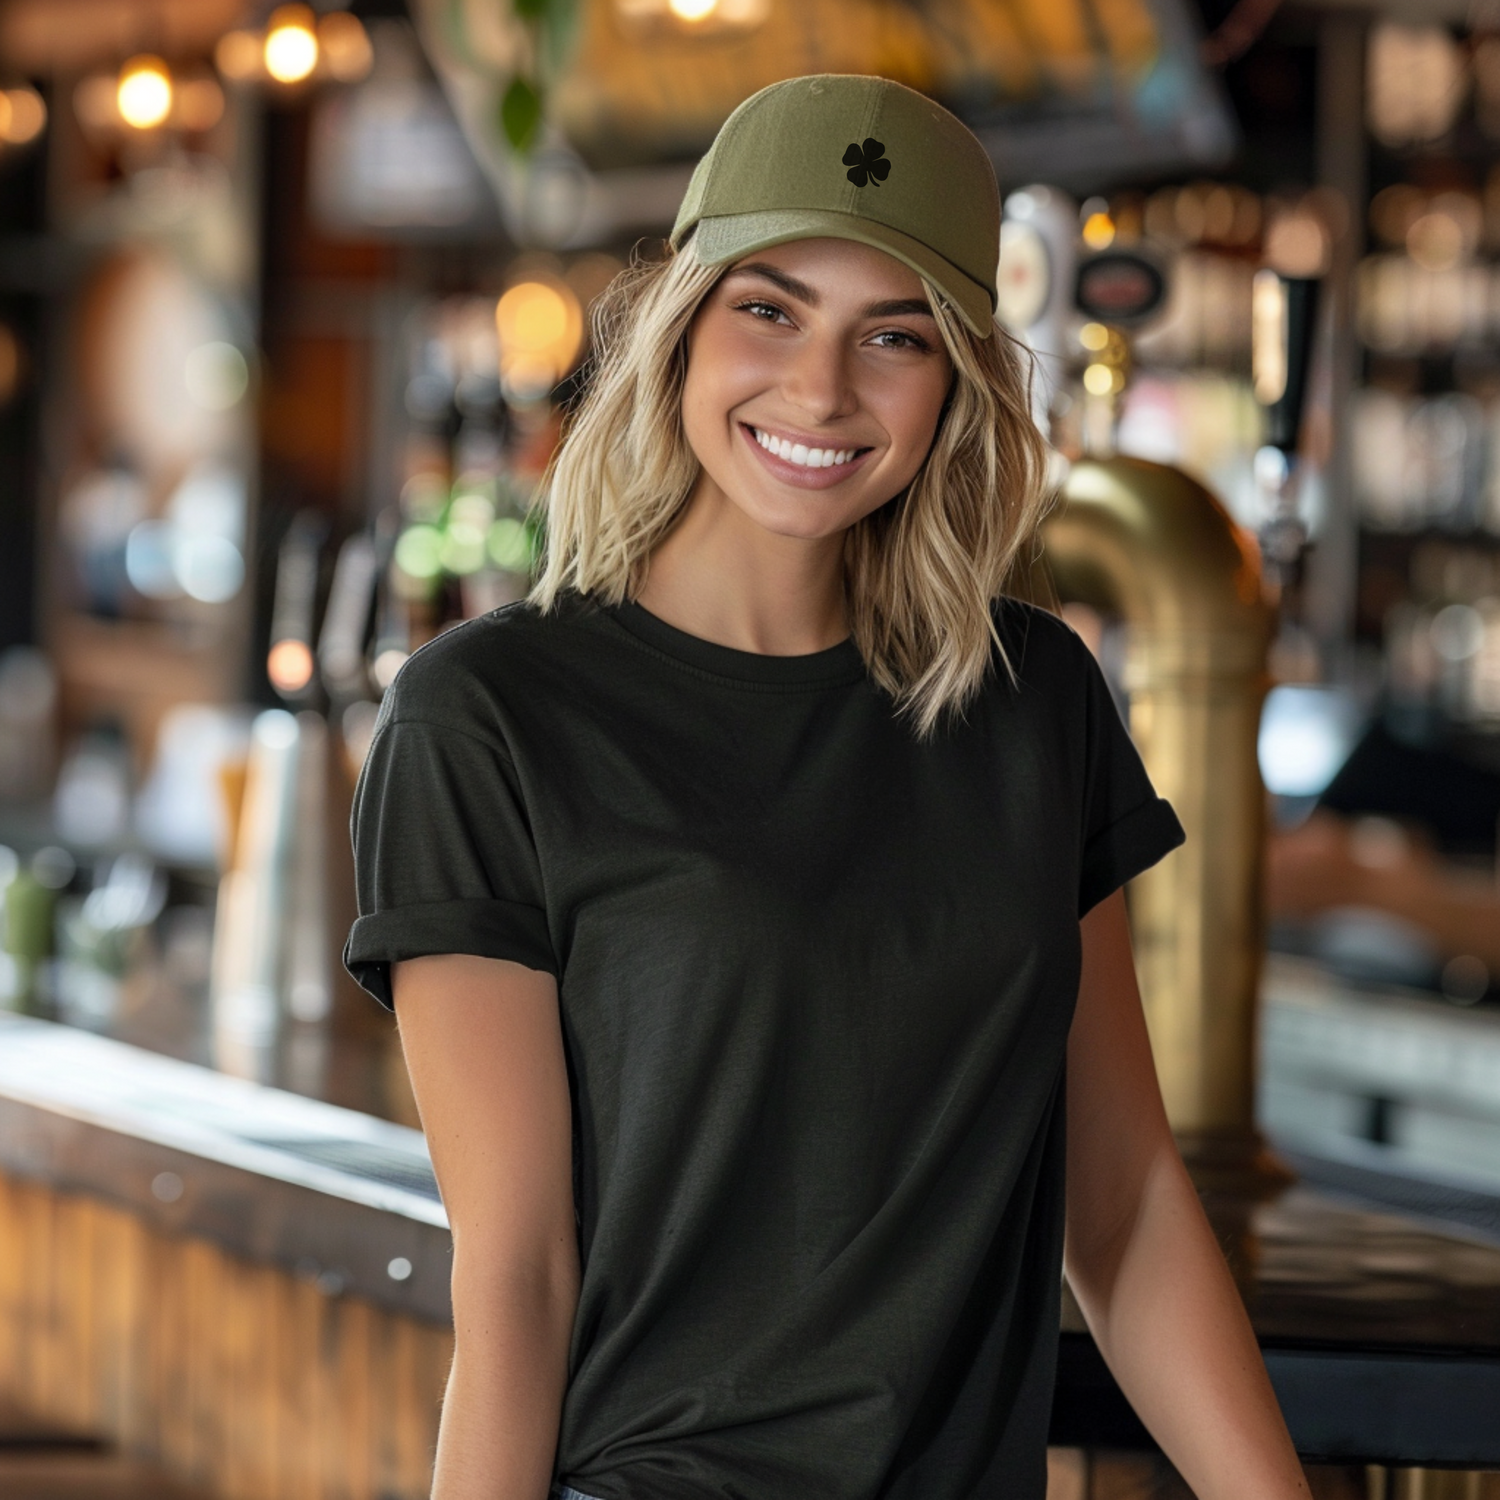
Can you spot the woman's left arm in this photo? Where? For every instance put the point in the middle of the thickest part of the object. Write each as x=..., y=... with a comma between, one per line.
x=1141, y=1258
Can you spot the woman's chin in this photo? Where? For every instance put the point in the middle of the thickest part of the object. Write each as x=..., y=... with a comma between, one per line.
x=803, y=515
x=803, y=519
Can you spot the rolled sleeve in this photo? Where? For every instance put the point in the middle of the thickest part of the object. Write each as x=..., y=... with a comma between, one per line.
x=1127, y=828
x=443, y=855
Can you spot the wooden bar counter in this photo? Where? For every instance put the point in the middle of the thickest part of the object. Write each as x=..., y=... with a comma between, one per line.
x=246, y=1286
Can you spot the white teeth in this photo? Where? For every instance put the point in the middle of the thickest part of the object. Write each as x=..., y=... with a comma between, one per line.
x=800, y=454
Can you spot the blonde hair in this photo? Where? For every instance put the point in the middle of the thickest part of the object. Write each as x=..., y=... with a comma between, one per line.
x=920, y=573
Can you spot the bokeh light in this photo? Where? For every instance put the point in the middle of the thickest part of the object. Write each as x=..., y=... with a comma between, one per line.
x=419, y=552
x=239, y=56
x=510, y=545
x=1298, y=243
x=345, y=46
x=200, y=104
x=216, y=376
x=209, y=568
x=463, y=548
x=540, y=327
x=1099, y=231
x=143, y=95
x=23, y=116
x=149, y=563
x=291, y=50
x=289, y=665
x=1099, y=380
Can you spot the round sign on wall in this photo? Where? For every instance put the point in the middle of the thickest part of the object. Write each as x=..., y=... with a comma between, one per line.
x=1119, y=286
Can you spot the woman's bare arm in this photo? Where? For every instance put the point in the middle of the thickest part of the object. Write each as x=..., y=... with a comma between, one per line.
x=483, y=1044
x=1141, y=1258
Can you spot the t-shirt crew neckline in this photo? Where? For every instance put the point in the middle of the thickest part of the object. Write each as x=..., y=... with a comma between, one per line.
x=831, y=667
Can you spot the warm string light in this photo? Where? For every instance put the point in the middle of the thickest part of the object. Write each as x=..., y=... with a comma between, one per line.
x=143, y=95
x=699, y=16
x=296, y=47
x=291, y=46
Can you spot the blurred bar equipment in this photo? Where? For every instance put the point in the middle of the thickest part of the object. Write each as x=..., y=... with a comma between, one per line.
x=1144, y=542
x=251, y=931
x=1283, y=318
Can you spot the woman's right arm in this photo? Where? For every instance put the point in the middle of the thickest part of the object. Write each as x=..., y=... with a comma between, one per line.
x=483, y=1045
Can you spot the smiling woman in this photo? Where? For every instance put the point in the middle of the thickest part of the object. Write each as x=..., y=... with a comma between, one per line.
x=743, y=893
x=707, y=385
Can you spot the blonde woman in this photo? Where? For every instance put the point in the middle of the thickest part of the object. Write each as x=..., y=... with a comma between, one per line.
x=750, y=897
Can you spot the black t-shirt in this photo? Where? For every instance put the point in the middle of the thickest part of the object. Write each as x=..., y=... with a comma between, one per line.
x=816, y=978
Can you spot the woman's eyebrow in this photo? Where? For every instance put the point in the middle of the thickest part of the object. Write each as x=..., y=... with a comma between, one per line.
x=789, y=284
x=899, y=309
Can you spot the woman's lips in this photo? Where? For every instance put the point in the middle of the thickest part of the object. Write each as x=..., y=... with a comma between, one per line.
x=802, y=475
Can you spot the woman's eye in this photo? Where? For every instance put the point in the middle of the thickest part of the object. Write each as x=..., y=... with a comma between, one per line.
x=897, y=338
x=767, y=311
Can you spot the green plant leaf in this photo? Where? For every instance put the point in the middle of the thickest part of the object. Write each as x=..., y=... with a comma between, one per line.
x=520, y=114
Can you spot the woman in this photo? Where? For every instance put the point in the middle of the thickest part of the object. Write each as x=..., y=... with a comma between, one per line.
x=735, y=893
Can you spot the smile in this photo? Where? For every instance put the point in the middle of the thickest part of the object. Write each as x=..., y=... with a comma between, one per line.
x=800, y=454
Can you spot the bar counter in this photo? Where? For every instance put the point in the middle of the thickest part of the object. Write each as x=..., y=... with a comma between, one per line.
x=247, y=1286
x=1381, y=1333
x=250, y=1286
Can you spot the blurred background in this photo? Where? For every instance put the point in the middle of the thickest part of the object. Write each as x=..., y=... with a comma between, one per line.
x=292, y=300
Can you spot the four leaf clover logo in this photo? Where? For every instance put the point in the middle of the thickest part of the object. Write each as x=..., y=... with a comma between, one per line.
x=866, y=163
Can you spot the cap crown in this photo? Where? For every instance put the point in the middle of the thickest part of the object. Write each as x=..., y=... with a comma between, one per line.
x=848, y=143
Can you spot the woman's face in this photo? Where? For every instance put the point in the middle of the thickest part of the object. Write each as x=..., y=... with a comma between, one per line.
x=816, y=377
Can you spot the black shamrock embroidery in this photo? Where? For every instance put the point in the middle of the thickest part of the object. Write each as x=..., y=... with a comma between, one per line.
x=866, y=163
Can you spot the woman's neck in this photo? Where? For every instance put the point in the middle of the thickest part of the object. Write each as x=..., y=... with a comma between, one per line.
x=724, y=578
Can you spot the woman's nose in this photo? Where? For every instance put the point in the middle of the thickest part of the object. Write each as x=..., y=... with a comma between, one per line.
x=818, y=379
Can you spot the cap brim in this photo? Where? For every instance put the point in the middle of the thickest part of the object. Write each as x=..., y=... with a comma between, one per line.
x=732, y=236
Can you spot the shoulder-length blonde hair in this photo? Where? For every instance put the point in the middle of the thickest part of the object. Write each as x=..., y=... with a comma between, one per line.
x=920, y=573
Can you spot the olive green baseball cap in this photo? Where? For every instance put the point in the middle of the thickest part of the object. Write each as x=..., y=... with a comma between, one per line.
x=855, y=158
